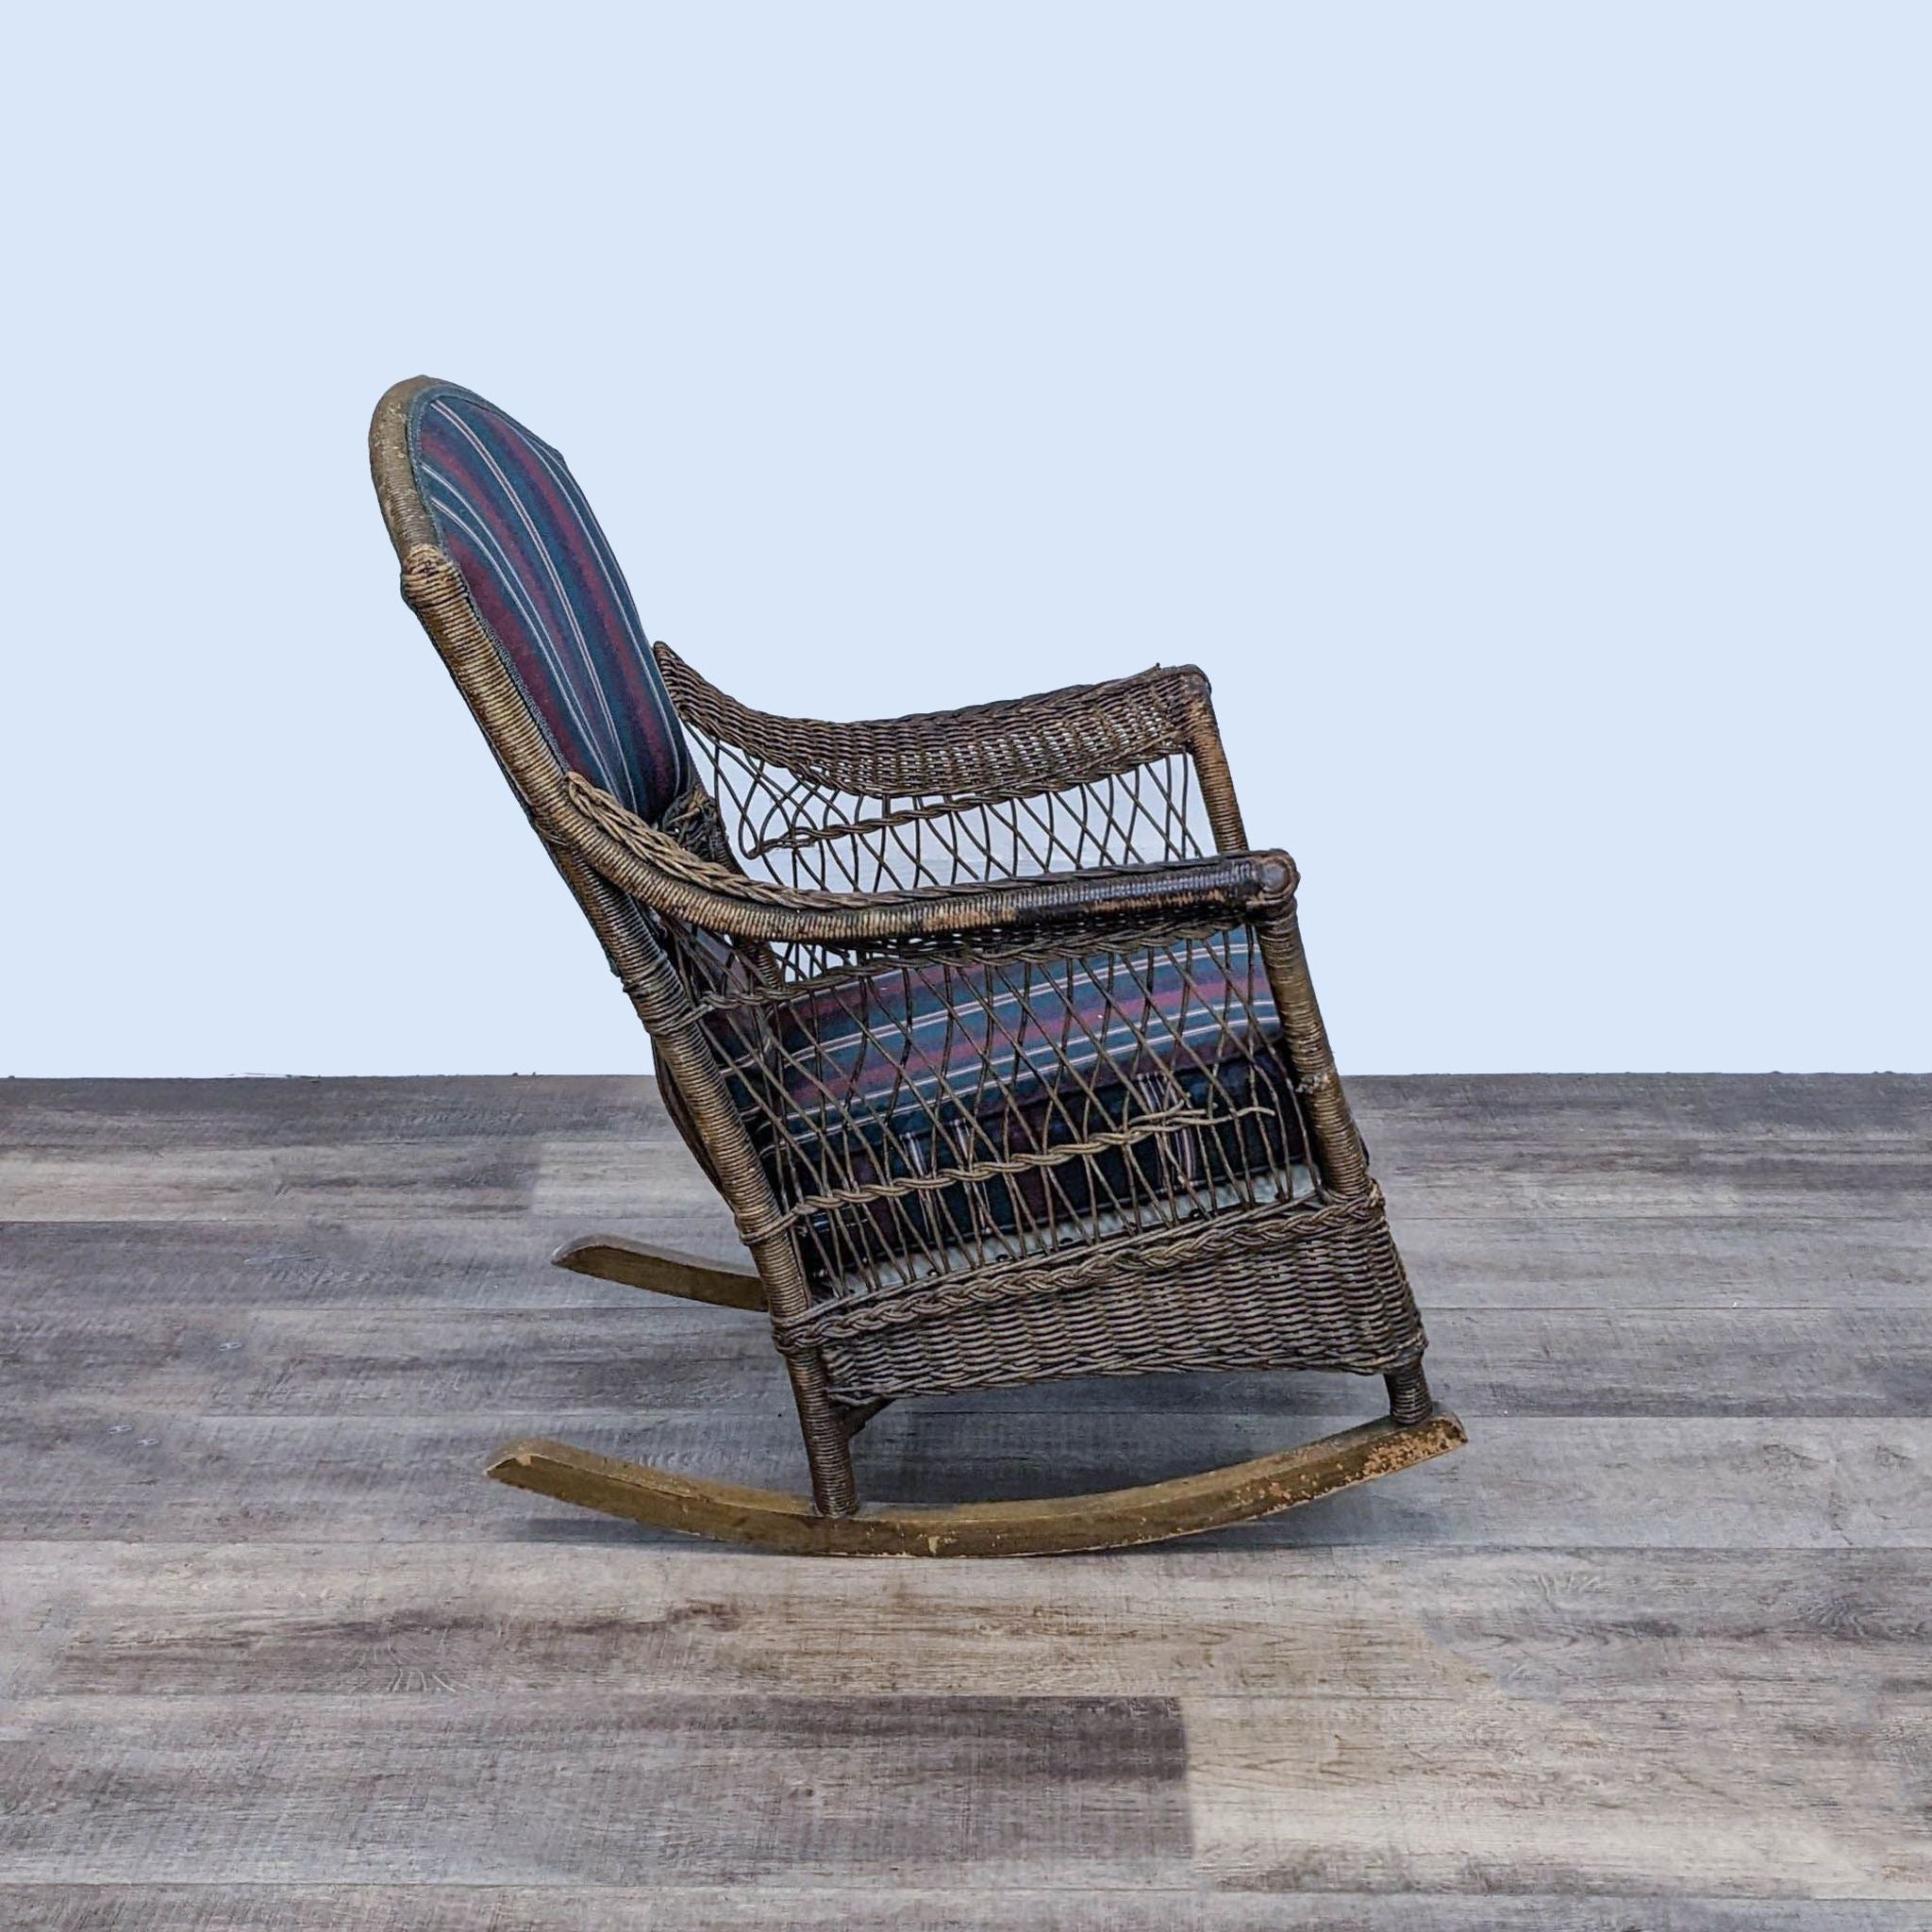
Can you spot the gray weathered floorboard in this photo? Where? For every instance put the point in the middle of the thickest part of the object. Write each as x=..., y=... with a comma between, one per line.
x=437, y=1257
x=1807, y=1792
x=519, y=1790
x=1607, y=1481
x=1655, y=1652
x=664, y=1355
x=1712, y=1626
x=559, y=1907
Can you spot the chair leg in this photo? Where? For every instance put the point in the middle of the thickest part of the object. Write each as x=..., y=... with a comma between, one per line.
x=1409, y=1401
x=828, y=1444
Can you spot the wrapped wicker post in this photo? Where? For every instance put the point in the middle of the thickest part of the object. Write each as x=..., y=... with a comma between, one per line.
x=991, y=1029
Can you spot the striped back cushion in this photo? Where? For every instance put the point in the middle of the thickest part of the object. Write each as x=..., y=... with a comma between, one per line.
x=538, y=569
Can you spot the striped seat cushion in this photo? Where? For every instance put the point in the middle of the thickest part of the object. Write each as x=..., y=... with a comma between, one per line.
x=513, y=521
x=937, y=1043
x=932, y=1070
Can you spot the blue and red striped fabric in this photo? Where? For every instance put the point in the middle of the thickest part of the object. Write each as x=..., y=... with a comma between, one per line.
x=515, y=523
x=903, y=1046
x=917, y=1072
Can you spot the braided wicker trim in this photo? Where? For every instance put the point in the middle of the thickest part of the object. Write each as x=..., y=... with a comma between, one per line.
x=1000, y=750
x=1233, y=1233
x=1170, y=1120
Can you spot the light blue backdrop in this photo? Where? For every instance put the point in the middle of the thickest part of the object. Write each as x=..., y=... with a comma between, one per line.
x=1521, y=410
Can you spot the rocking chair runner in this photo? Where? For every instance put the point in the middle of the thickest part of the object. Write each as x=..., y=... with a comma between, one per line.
x=991, y=1029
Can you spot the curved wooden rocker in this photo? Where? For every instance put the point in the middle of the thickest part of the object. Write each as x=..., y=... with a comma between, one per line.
x=1049, y=1525
x=991, y=1029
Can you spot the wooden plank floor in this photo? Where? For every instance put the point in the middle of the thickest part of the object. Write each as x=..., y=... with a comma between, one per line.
x=1654, y=1652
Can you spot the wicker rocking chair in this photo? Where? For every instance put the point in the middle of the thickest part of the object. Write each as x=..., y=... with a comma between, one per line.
x=991, y=1029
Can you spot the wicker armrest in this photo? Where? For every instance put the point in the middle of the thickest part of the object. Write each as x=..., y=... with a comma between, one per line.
x=658, y=870
x=1011, y=749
